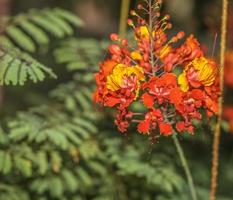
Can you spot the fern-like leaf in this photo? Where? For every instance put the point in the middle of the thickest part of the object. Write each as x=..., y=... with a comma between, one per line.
x=31, y=29
x=80, y=54
x=17, y=67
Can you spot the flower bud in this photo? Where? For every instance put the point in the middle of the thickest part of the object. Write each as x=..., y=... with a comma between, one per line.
x=124, y=42
x=133, y=13
x=139, y=6
x=130, y=22
x=114, y=37
x=115, y=49
x=180, y=35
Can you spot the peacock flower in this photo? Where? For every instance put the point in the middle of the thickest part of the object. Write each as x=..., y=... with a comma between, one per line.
x=125, y=77
x=199, y=72
x=144, y=72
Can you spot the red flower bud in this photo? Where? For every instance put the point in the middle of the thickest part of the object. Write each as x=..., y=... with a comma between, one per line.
x=139, y=6
x=130, y=22
x=180, y=35
x=124, y=42
x=115, y=49
x=114, y=37
x=133, y=13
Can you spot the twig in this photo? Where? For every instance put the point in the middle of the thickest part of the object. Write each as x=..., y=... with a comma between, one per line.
x=151, y=36
x=217, y=133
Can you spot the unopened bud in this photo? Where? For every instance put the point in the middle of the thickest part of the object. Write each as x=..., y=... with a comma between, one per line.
x=139, y=6
x=114, y=37
x=180, y=35
x=169, y=26
x=124, y=42
x=115, y=49
x=130, y=22
x=133, y=13
x=166, y=17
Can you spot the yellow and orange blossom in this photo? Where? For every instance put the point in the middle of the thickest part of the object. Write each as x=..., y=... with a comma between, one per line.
x=199, y=72
x=115, y=81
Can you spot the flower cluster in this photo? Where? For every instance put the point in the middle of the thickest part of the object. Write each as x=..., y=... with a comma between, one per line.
x=175, y=83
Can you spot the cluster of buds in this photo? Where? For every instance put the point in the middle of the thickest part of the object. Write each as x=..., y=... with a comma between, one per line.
x=175, y=85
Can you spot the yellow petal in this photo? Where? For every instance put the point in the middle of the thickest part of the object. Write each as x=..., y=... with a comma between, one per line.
x=144, y=32
x=136, y=55
x=115, y=80
x=183, y=82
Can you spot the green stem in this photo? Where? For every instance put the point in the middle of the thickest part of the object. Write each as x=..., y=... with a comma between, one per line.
x=185, y=167
x=123, y=17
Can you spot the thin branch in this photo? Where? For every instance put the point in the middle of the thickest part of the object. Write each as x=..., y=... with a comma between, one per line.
x=215, y=151
x=151, y=36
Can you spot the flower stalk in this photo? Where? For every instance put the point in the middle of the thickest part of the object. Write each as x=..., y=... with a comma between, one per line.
x=217, y=133
x=185, y=167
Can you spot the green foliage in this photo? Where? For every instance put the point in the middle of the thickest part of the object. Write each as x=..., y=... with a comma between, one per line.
x=27, y=31
x=58, y=151
x=16, y=67
x=80, y=54
x=31, y=29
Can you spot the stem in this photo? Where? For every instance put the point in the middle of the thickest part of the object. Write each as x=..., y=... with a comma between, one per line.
x=217, y=133
x=151, y=36
x=123, y=17
x=185, y=167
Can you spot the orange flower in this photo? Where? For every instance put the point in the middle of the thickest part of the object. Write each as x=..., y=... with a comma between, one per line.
x=190, y=49
x=105, y=69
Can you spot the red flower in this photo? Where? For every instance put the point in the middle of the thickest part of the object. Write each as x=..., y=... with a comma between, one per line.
x=122, y=120
x=144, y=126
x=152, y=118
x=180, y=126
x=165, y=129
x=161, y=87
x=148, y=100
